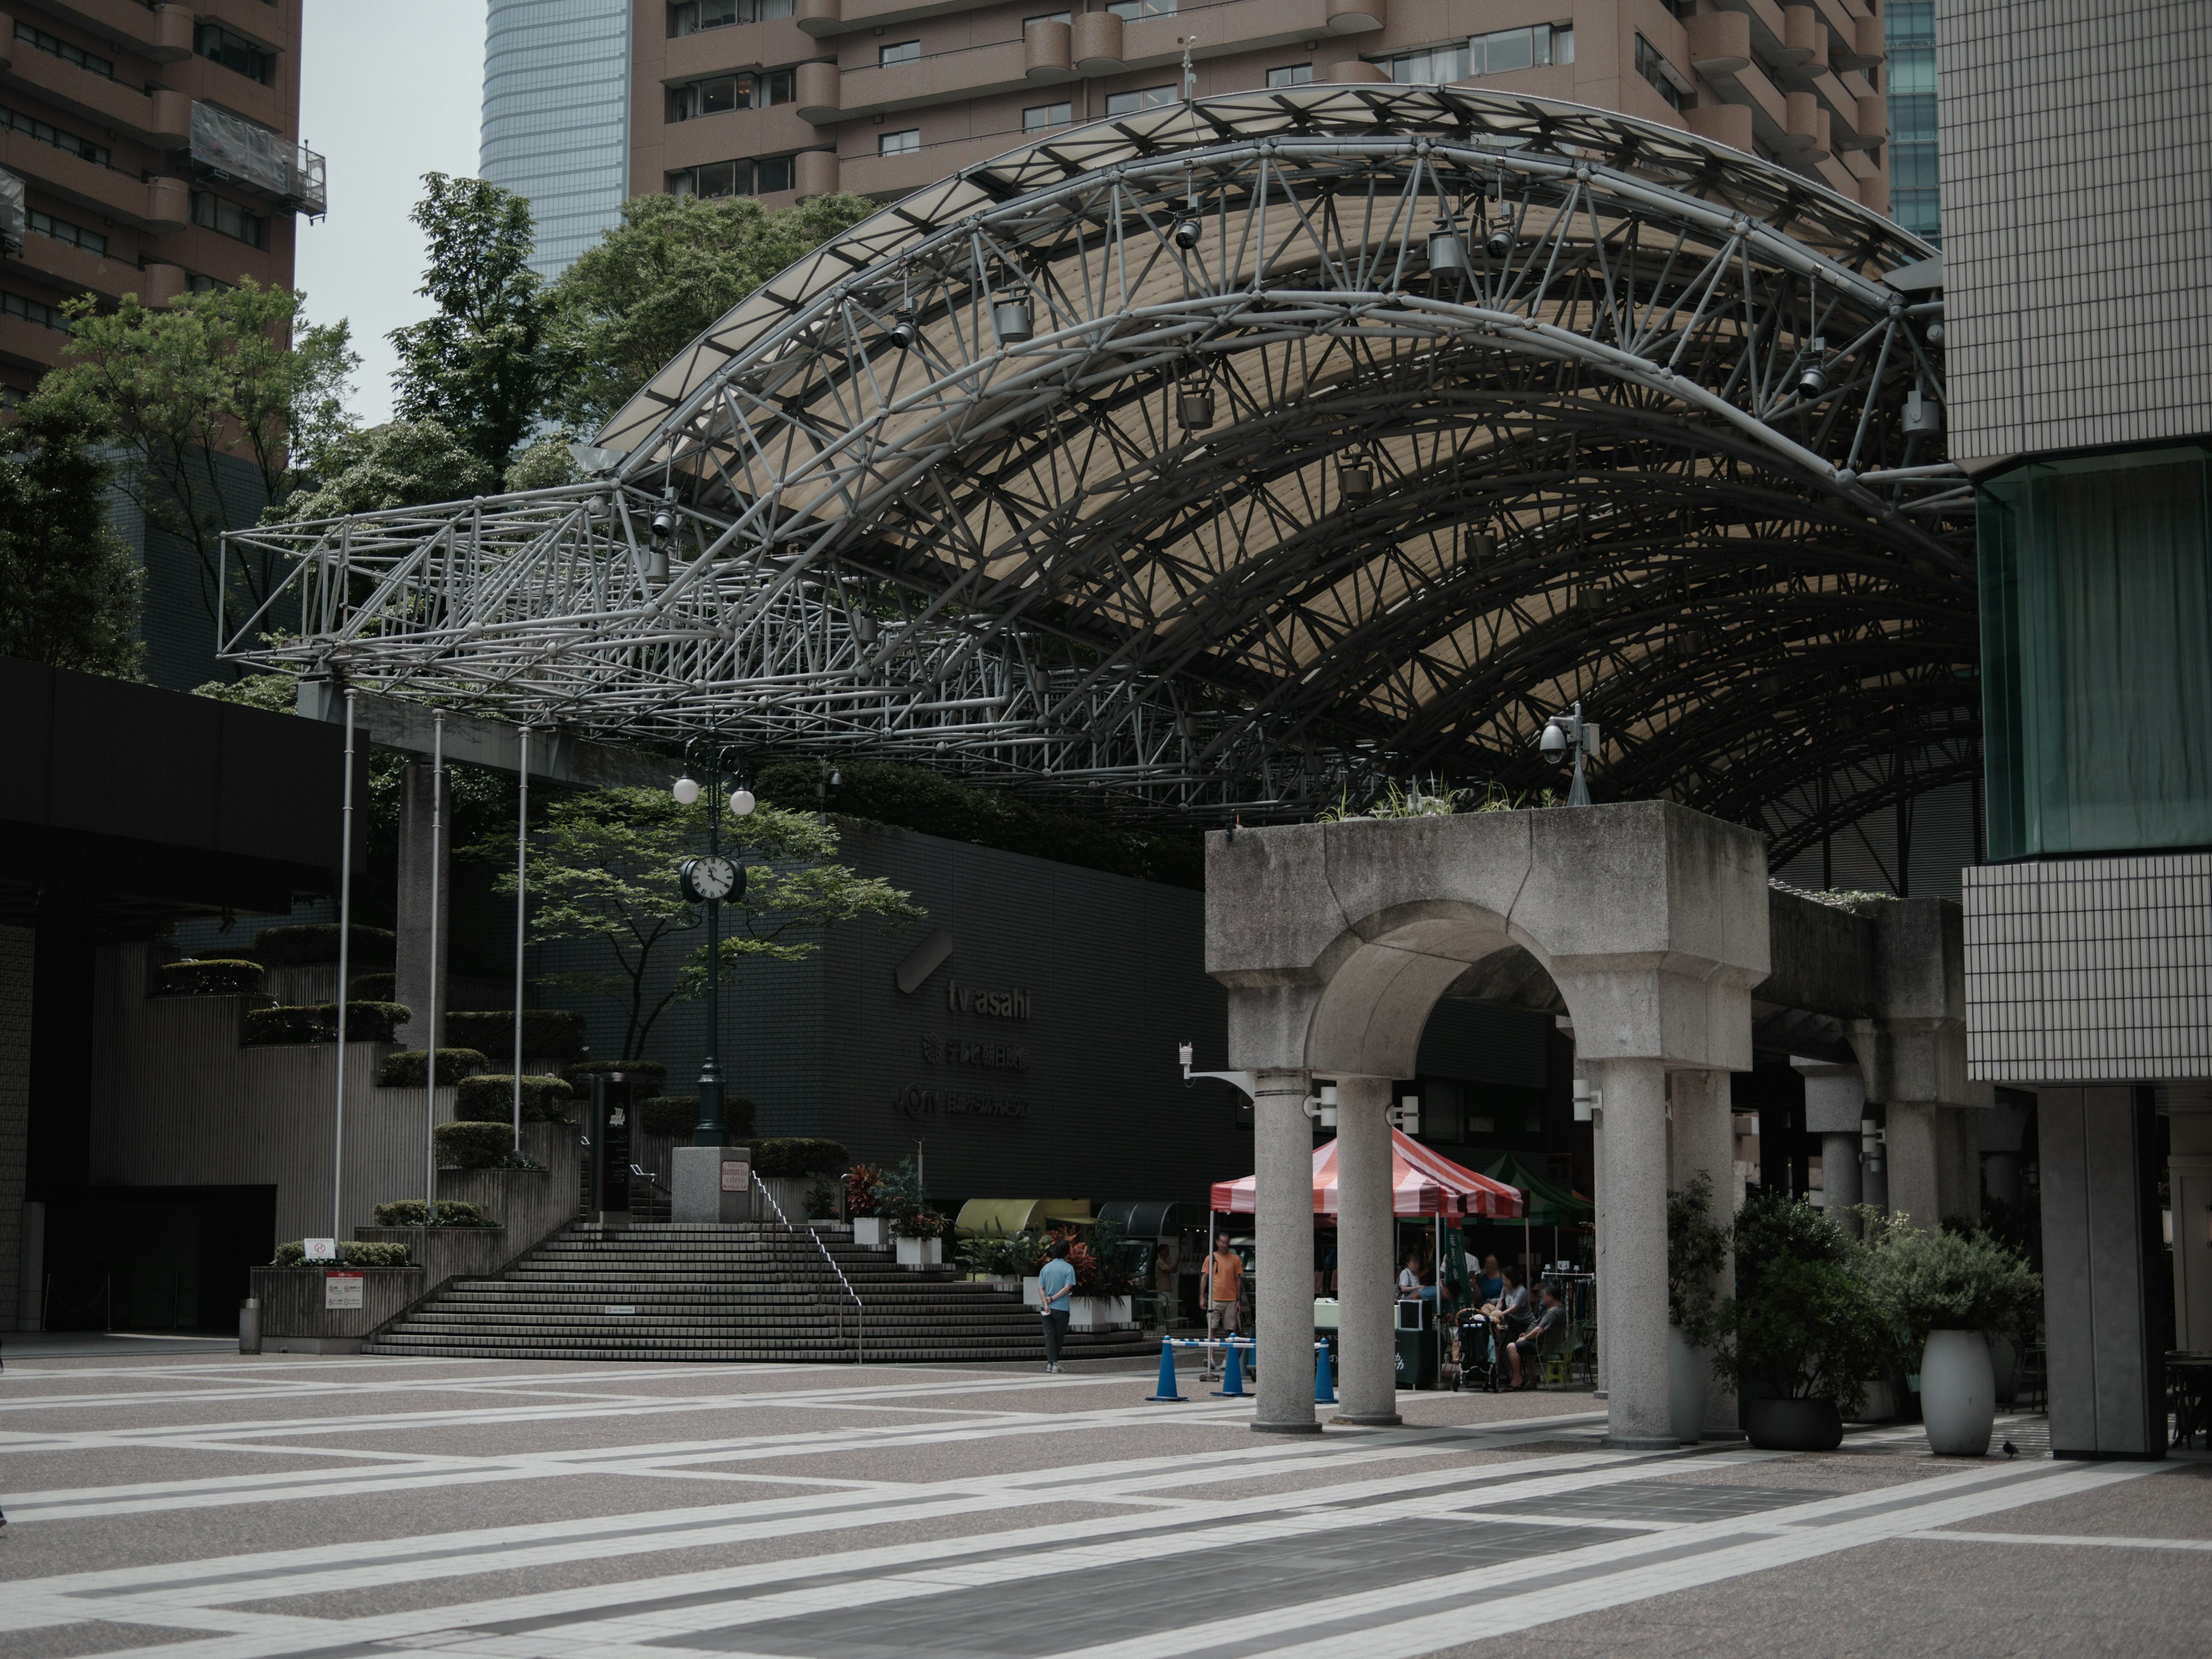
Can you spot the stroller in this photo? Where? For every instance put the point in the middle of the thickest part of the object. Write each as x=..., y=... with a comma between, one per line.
x=1481, y=1353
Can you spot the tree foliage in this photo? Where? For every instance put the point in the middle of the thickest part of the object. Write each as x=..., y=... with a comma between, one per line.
x=1935, y=1281
x=605, y=865
x=481, y=364
x=400, y=463
x=1696, y=1251
x=70, y=589
x=658, y=279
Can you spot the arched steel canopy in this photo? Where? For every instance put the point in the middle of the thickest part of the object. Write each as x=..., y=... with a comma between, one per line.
x=1634, y=407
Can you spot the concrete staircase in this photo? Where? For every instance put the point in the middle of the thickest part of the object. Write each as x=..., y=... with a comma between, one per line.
x=747, y=1291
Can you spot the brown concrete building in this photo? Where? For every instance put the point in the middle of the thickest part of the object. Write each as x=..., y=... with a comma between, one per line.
x=145, y=149
x=788, y=98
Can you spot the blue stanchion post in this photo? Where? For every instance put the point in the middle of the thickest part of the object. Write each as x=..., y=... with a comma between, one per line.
x=1324, y=1384
x=1232, y=1375
x=1166, y=1389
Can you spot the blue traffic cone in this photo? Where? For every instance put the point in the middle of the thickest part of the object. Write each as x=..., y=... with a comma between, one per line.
x=1232, y=1376
x=1324, y=1384
x=1166, y=1390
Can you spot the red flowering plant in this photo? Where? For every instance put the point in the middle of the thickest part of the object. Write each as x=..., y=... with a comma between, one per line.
x=863, y=1190
x=899, y=1194
x=1100, y=1261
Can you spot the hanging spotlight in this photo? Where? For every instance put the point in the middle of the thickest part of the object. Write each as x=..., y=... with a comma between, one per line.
x=1194, y=406
x=1446, y=253
x=656, y=566
x=664, y=522
x=1013, y=321
x=903, y=331
x=1500, y=242
x=1186, y=233
x=1923, y=415
x=864, y=629
x=1356, y=480
x=1812, y=374
x=1935, y=333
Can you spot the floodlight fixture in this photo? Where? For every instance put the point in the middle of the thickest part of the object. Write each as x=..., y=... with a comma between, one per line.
x=904, y=331
x=1187, y=234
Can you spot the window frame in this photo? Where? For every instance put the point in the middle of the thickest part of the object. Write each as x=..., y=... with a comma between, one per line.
x=1168, y=95
x=890, y=144
x=884, y=60
x=1065, y=118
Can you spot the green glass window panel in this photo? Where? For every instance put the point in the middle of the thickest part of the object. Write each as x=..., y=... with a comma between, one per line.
x=2096, y=597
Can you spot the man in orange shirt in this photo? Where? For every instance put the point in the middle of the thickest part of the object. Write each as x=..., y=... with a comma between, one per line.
x=1224, y=1283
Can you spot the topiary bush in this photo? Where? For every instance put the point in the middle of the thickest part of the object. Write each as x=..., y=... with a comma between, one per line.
x=796, y=1155
x=451, y=1212
x=554, y=1031
x=473, y=1146
x=677, y=1115
x=352, y=1253
x=409, y=1068
x=647, y=1075
x=375, y=987
x=311, y=945
x=490, y=1099
x=209, y=976
x=366, y=1022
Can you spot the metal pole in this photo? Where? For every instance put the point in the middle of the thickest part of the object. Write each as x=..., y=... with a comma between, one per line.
x=711, y=1130
x=430, y=1052
x=345, y=965
x=521, y=883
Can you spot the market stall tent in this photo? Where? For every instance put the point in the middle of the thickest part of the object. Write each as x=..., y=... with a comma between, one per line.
x=1422, y=1183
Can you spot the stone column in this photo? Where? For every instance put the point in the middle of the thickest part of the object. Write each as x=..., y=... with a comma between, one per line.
x=1835, y=1107
x=1704, y=1143
x=1959, y=1161
x=1368, y=1387
x=2189, y=1166
x=411, y=961
x=1636, y=1264
x=1873, y=1165
x=1283, y=1302
x=1593, y=1072
x=1913, y=1155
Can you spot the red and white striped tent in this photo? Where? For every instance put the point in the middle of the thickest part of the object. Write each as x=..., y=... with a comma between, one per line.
x=1421, y=1183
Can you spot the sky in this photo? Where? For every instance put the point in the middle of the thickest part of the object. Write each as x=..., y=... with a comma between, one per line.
x=389, y=90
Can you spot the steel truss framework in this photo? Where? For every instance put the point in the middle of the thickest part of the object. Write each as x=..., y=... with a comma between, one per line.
x=1051, y=471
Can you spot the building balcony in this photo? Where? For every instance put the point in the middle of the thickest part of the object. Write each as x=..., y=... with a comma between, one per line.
x=161, y=118
x=143, y=205
x=736, y=47
x=734, y=133
x=77, y=270
x=160, y=33
x=30, y=345
x=226, y=146
x=823, y=19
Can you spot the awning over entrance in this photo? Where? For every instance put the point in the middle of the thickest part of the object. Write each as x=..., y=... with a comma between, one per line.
x=1422, y=1183
x=1549, y=1203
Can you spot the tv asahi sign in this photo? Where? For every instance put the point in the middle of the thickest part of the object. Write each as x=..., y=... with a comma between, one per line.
x=992, y=1005
x=950, y=1097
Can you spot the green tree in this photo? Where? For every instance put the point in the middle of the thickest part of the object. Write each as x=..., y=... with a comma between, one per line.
x=481, y=364
x=400, y=463
x=542, y=465
x=238, y=373
x=662, y=277
x=70, y=589
x=604, y=866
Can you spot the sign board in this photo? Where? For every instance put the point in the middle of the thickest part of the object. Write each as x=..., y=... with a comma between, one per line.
x=340, y=1290
x=737, y=1175
x=320, y=1249
x=623, y=1309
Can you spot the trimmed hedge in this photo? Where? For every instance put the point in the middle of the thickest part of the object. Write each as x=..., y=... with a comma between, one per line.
x=209, y=976
x=352, y=1253
x=651, y=1074
x=469, y=1145
x=452, y=1212
x=312, y=944
x=375, y=987
x=410, y=1068
x=796, y=1155
x=366, y=1022
x=548, y=1032
x=677, y=1115
x=490, y=1099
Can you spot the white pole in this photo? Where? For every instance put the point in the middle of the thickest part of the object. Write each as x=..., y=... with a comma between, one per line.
x=521, y=881
x=430, y=1052
x=345, y=965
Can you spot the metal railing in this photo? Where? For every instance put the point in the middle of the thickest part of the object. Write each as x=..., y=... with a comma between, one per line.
x=860, y=1307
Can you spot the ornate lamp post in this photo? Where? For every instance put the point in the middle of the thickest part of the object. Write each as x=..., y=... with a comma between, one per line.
x=707, y=882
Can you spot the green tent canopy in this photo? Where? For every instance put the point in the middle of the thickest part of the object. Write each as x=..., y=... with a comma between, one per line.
x=1550, y=1204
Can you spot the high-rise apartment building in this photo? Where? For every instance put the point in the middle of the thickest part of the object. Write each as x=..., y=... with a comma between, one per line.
x=788, y=98
x=145, y=150
x=556, y=117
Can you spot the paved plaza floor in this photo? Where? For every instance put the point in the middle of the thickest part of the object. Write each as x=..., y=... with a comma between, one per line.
x=209, y=1504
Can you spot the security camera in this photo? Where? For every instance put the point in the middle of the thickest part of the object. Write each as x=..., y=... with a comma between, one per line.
x=1554, y=743
x=1186, y=233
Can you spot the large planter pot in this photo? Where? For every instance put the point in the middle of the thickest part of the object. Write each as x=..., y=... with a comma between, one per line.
x=1957, y=1393
x=1100, y=1313
x=871, y=1233
x=1685, y=1388
x=1795, y=1425
x=920, y=1252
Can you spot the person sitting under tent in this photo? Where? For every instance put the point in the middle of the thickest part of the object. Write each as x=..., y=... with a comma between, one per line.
x=1523, y=1348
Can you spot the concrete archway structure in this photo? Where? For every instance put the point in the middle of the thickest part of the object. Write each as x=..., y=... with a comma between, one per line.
x=1335, y=940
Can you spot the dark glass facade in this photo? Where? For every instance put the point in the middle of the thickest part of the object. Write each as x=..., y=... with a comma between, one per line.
x=1915, y=197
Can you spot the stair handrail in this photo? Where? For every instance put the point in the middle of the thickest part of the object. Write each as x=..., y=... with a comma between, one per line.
x=860, y=1307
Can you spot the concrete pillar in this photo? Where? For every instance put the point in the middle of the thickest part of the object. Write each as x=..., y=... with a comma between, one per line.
x=1367, y=1387
x=411, y=971
x=2189, y=1167
x=1593, y=1072
x=1835, y=1105
x=1959, y=1161
x=1636, y=1264
x=2101, y=1253
x=1284, y=1231
x=1704, y=1143
x=1913, y=1156
x=1874, y=1165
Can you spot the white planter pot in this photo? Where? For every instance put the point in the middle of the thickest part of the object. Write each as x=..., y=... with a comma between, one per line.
x=1100, y=1313
x=1685, y=1388
x=997, y=1284
x=1032, y=1292
x=1957, y=1393
x=871, y=1233
x=920, y=1252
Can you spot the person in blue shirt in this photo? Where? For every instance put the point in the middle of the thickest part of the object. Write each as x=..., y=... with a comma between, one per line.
x=1490, y=1284
x=1056, y=1292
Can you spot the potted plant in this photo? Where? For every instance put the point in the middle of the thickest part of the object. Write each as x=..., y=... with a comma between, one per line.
x=1104, y=1287
x=1950, y=1293
x=916, y=1231
x=864, y=1203
x=996, y=1260
x=1697, y=1252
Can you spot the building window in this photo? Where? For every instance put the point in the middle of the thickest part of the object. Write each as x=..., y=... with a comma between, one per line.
x=1916, y=200
x=13, y=120
x=1048, y=17
x=195, y=283
x=1497, y=53
x=1130, y=11
x=901, y=51
x=33, y=311
x=728, y=92
x=1654, y=68
x=217, y=213
x=764, y=177
x=693, y=16
x=1039, y=118
x=899, y=143
x=1290, y=75
x=63, y=231
x=1128, y=103
x=66, y=52
x=235, y=51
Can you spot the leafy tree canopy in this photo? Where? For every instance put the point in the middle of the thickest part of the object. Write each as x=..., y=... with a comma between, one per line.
x=542, y=465
x=70, y=589
x=656, y=281
x=481, y=364
x=400, y=463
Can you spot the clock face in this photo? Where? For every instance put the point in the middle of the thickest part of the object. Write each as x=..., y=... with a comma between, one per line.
x=710, y=878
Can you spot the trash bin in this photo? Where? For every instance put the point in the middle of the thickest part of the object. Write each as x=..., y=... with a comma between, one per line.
x=1417, y=1357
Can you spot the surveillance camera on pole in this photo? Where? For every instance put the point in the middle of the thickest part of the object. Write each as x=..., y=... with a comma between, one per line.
x=1570, y=733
